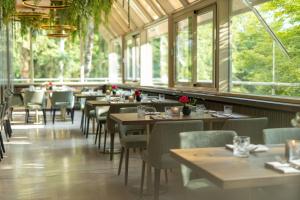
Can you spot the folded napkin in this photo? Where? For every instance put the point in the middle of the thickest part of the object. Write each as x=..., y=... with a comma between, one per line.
x=152, y=113
x=252, y=147
x=285, y=168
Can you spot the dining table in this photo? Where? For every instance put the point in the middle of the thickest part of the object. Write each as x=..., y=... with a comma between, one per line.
x=226, y=171
x=149, y=120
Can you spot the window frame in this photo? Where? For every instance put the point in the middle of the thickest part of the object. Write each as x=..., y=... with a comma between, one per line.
x=194, y=14
x=133, y=37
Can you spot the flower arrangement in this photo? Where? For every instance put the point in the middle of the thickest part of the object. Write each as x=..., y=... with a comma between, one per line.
x=186, y=109
x=184, y=99
x=114, y=89
x=50, y=85
x=137, y=94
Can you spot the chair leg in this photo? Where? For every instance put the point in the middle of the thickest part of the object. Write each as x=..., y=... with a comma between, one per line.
x=1, y=142
x=6, y=130
x=84, y=125
x=142, y=177
x=27, y=116
x=82, y=119
x=121, y=161
x=45, y=117
x=97, y=132
x=87, y=128
x=9, y=127
x=72, y=115
x=156, y=183
x=166, y=176
x=53, y=116
x=100, y=134
x=126, y=165
x=105, y=137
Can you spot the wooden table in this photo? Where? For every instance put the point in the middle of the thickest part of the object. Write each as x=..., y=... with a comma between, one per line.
x=133, y=119
x=228, y=172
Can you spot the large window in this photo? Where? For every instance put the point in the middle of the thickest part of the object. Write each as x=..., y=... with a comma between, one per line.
x=265, y=47
x=156, y=55
x=132, y=65
x=195, y=53
x=115, y=62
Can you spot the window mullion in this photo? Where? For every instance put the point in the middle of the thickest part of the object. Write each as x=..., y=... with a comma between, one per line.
x=194, y=49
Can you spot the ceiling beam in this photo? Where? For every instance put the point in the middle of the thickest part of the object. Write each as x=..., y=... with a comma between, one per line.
x=184, y=2
x=155, y=8
x=144, y=11
x=165, y=6
x=120, y=22
x=123, y=15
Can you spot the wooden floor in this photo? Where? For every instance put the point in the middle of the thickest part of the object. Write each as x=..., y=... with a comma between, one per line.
x=57, y=162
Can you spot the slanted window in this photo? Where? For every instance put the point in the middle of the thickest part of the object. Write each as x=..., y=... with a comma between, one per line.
x=132, y=64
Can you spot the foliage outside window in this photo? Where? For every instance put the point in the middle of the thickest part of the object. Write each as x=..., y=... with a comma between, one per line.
x=132, y=54
x=195, y=54
x=260, y=64
x=56, y=60
x=156, y=55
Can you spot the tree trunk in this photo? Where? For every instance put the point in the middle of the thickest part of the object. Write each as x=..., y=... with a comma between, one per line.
x=88, y=52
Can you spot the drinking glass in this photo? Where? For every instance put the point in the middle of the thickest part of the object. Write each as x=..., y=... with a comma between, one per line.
x=141, y=111
x=228, y=109
x=200, y=109
x=293, y=150
x=161, y=97
x=241, y=146
x=168, y=111
x=144, y=97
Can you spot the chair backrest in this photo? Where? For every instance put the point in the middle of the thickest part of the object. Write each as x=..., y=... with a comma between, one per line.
x=102, y=111
x=59, y=97
x=251, y=127
x=166, y=136
x=199, y=139
x=280, y=135
x=36, y=97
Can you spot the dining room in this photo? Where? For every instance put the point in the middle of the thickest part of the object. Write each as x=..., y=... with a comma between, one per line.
x=149, y=99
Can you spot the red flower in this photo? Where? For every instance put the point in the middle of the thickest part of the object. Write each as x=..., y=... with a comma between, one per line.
x=137, y=93
x=184, y=99
x=114, y=87
x=50, y=84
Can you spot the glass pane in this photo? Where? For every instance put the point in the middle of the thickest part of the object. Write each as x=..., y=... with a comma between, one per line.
x=115, y=60
x=158, y=53
x=205, y=47
x=183, y=54
x=132, y=68
x=259, y=65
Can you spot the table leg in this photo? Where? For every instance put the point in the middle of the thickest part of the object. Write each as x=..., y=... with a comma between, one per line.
x=36, y=116
x=149, y=171
x=112, y=142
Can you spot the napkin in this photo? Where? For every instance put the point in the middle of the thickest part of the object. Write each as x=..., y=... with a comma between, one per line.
x=285, y=168
x=252, y=147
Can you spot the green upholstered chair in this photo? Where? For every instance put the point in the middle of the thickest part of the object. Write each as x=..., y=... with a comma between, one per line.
x=131, y=137
x=62, y=99
x=280, y=135
x=34, y=100
x=251, y=127
x=198, y=139
x=101, y=117
x=165, y=136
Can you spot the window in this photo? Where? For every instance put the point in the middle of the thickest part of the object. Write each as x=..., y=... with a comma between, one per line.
x=132, y=65
x=115, y=61
x=265, y=47
x=195, y=53
x=156, y=55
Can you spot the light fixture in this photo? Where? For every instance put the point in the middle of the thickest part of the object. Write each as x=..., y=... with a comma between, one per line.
x=59, y=27
x=54, y=4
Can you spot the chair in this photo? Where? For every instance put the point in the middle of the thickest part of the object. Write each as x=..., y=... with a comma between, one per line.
x=60, y=100
x=280, y=135
x=34, y=100
x=165, y=136
x=101, y=116
x=198, y=139
x=251, y=127
x=131, y=137
x=2, y=148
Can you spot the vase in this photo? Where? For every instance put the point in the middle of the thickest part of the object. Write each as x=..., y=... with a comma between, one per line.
x=138, y=98
x=186, y=110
